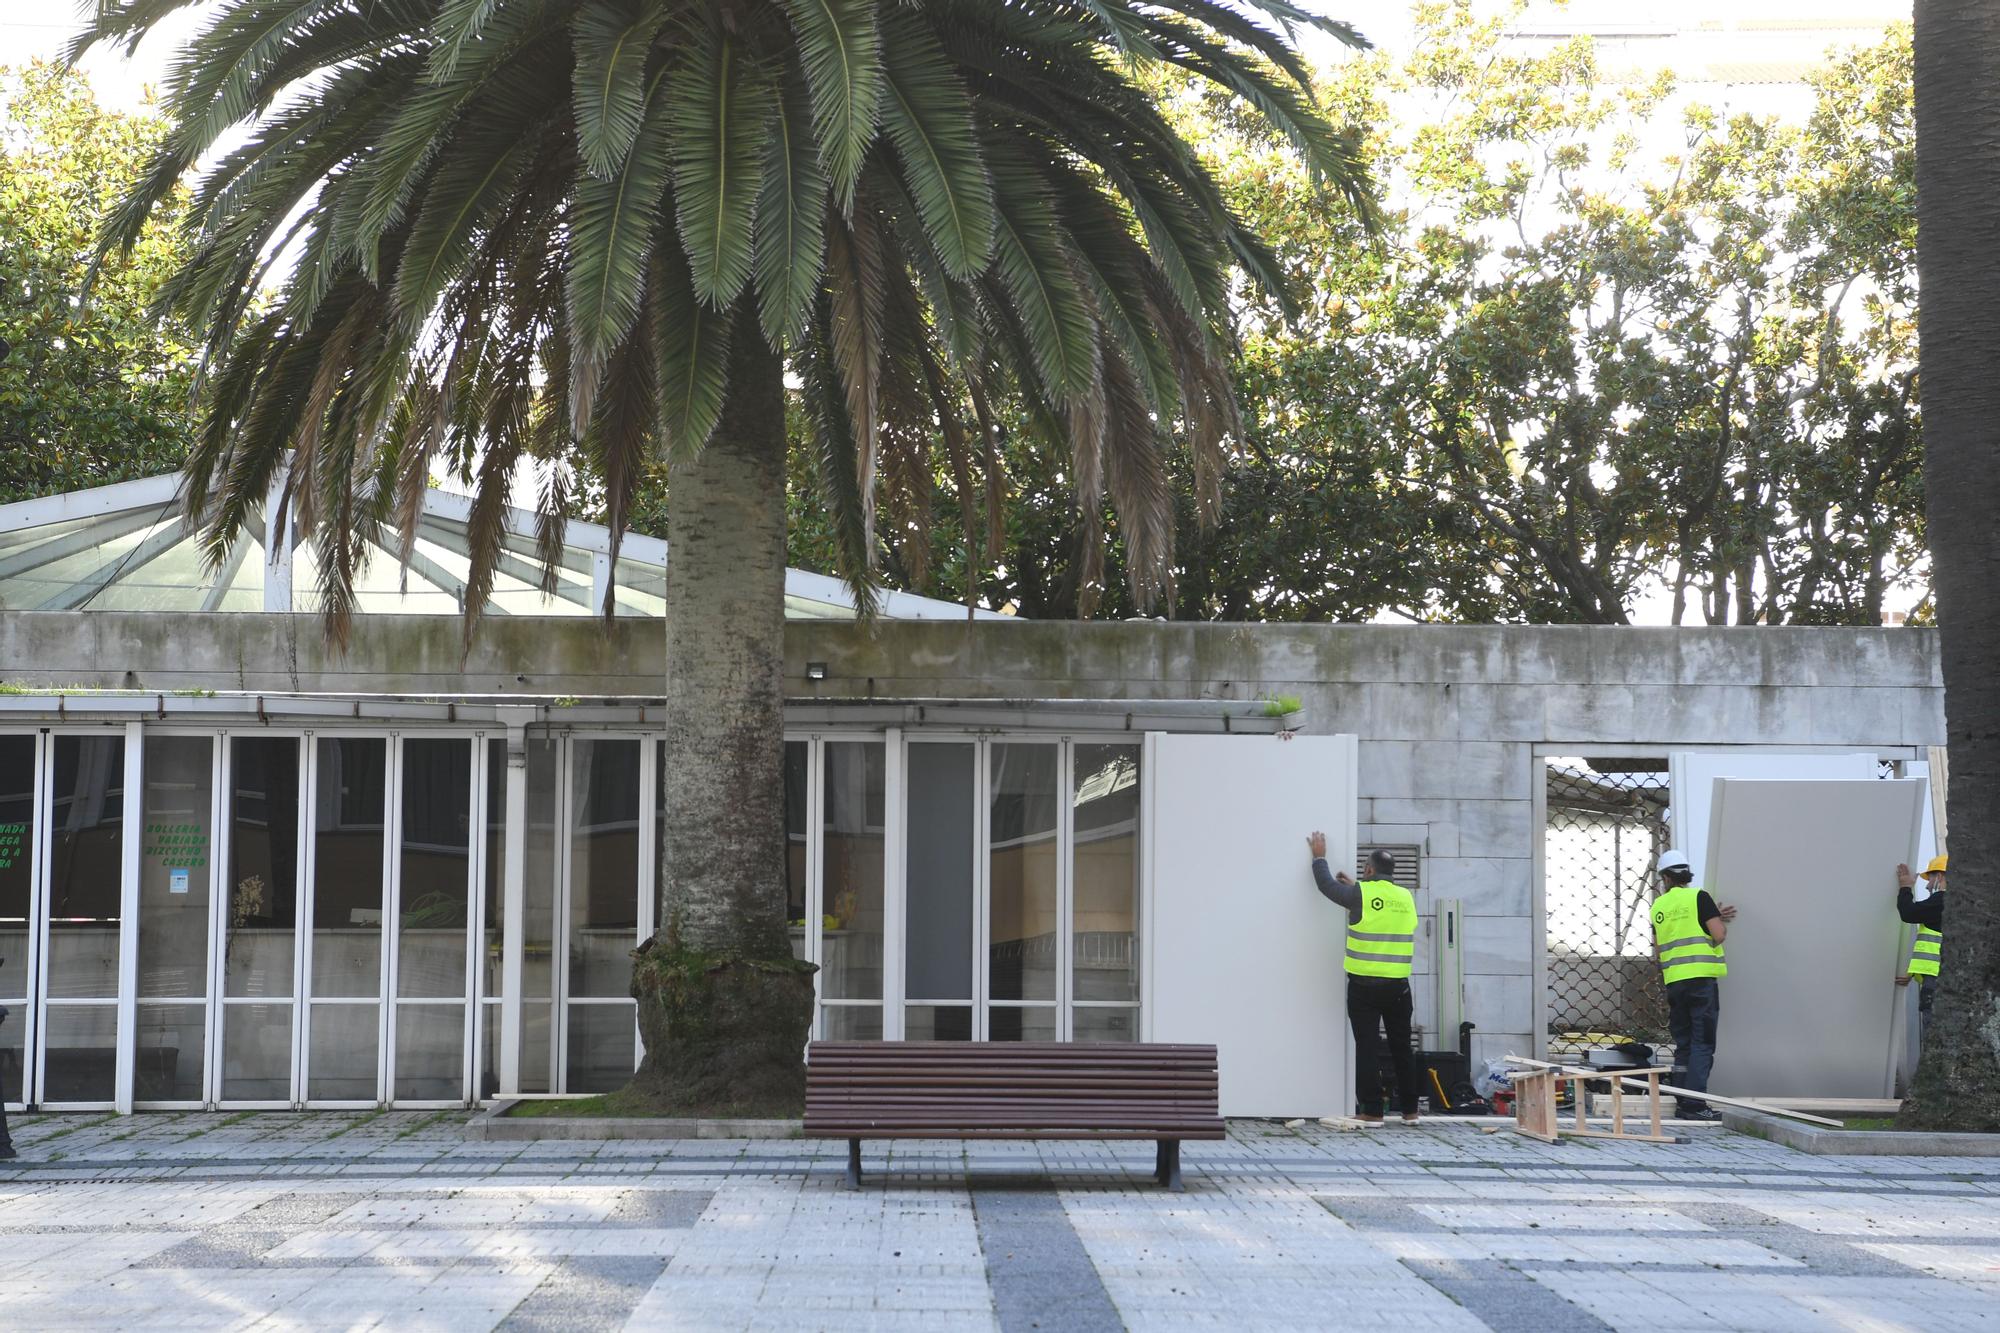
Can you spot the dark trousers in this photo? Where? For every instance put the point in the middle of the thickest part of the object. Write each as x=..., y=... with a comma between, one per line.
x=1373, y=1005
x=1693, y=1008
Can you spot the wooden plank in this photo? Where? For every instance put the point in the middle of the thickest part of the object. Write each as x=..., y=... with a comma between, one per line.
x=1741, y=1103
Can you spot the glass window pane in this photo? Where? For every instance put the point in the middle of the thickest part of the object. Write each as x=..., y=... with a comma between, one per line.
x=341, y=1060
x=436, y=858
x=538, y=915
x=13, y=1033
x=937, y=1022
x=1032, y=1023
x=602, y=1047
x=538, y=1039
x=430, y=1052
x=350, y=801
x=853, y=1022
x=82, y=1053
x=491, y=959
x=939, y=870
x=263, y=868
x=603, y=866
x=1021, y=873
x=797, y=758
x=257, y=1052
x=1120, y=1024
x=86, y=861
x=489, y=1051
x=17, y=865
x=169, y=1064
x=173, y=866
x=851, y=852
x=1105, y=875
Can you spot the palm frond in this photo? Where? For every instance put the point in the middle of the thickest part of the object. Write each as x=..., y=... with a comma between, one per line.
x=612, y=227
x=838, y=457
x=854, y=283
x=611, y=39
x=839, y=47
x=791, y=212
x=719, y=108
x=692, y=356
x=929, y=118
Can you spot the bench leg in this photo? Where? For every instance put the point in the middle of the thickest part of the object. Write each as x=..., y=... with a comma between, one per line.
x=1167, y=1168
x=854, y=1164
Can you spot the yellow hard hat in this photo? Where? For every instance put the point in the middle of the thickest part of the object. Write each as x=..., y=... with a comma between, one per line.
x=1936, y=867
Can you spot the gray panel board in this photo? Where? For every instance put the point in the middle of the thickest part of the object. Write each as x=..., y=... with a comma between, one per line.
x=1809, y=1004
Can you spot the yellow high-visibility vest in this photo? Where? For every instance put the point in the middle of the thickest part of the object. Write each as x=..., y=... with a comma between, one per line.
x=1926, y=952
x=1685, y=949
x=1383, y=942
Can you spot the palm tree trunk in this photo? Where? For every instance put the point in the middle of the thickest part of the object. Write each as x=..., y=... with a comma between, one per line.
x=723, y=1007
x=1958, y=240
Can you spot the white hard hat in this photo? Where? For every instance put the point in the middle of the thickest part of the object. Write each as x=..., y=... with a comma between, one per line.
x=1674, y=859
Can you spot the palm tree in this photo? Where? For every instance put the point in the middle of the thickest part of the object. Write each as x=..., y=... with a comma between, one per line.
x=1958, y=235
x=482, y=231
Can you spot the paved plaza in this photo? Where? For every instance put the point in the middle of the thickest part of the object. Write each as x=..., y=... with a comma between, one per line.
x=394, y=1219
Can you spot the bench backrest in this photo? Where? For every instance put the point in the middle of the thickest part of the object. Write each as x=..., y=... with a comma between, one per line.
x=947, y=1089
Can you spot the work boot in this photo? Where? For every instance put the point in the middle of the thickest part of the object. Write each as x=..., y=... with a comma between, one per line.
x=1367, y=1119
x=1410, y=1117
x=1704, y=1113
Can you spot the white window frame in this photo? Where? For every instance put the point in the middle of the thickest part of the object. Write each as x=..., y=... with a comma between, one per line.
x=392, y=917
x=223, y=845
x=130, y=829
x=391, y=802
x=24, y=1008
x=648, y=798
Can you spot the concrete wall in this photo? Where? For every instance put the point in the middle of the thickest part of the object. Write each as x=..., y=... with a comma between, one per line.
x=1450, y=717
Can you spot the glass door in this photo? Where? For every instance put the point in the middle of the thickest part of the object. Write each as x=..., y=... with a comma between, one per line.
x=78, y=1034
x=433, y=895
x=1021, y=890
x=601, y=923
x=263, y=778
x=1104, y=892
x=1022, y=919
x=348, y=875
x=176, y=879
x=940, y=889
x=853, y=876
x=19, y=799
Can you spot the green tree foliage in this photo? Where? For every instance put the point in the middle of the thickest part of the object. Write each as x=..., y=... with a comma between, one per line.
x=530, y=226
x=93, y=389
x=1567, y=375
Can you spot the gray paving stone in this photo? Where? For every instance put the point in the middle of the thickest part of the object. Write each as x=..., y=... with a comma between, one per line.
x=357, y=1219
x=1039, y=1273
x=585, y=1292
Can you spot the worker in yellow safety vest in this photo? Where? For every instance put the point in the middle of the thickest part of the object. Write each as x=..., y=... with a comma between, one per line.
x=1381, y=939
x=1688, y=930
x=1927, y=915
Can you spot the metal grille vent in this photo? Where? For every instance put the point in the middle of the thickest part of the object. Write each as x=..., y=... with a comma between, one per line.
x=1409, y=863
x=1606, y=827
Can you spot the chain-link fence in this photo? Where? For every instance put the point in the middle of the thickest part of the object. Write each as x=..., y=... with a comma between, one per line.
x=1606, y=827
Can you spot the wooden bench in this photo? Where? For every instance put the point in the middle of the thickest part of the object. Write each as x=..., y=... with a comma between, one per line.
x=1013, y=1090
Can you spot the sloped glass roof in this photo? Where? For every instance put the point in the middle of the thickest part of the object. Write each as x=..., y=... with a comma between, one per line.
x=127, y=547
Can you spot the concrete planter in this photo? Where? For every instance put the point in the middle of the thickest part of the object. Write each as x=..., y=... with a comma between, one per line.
x=496, y=1126
x=1858, y=1142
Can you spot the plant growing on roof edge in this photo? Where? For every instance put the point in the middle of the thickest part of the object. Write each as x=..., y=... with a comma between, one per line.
x=544, y=229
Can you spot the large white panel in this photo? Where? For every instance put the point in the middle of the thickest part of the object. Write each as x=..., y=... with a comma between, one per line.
x=1245, y=952
x=1693, y=774
x=1810, y=1002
